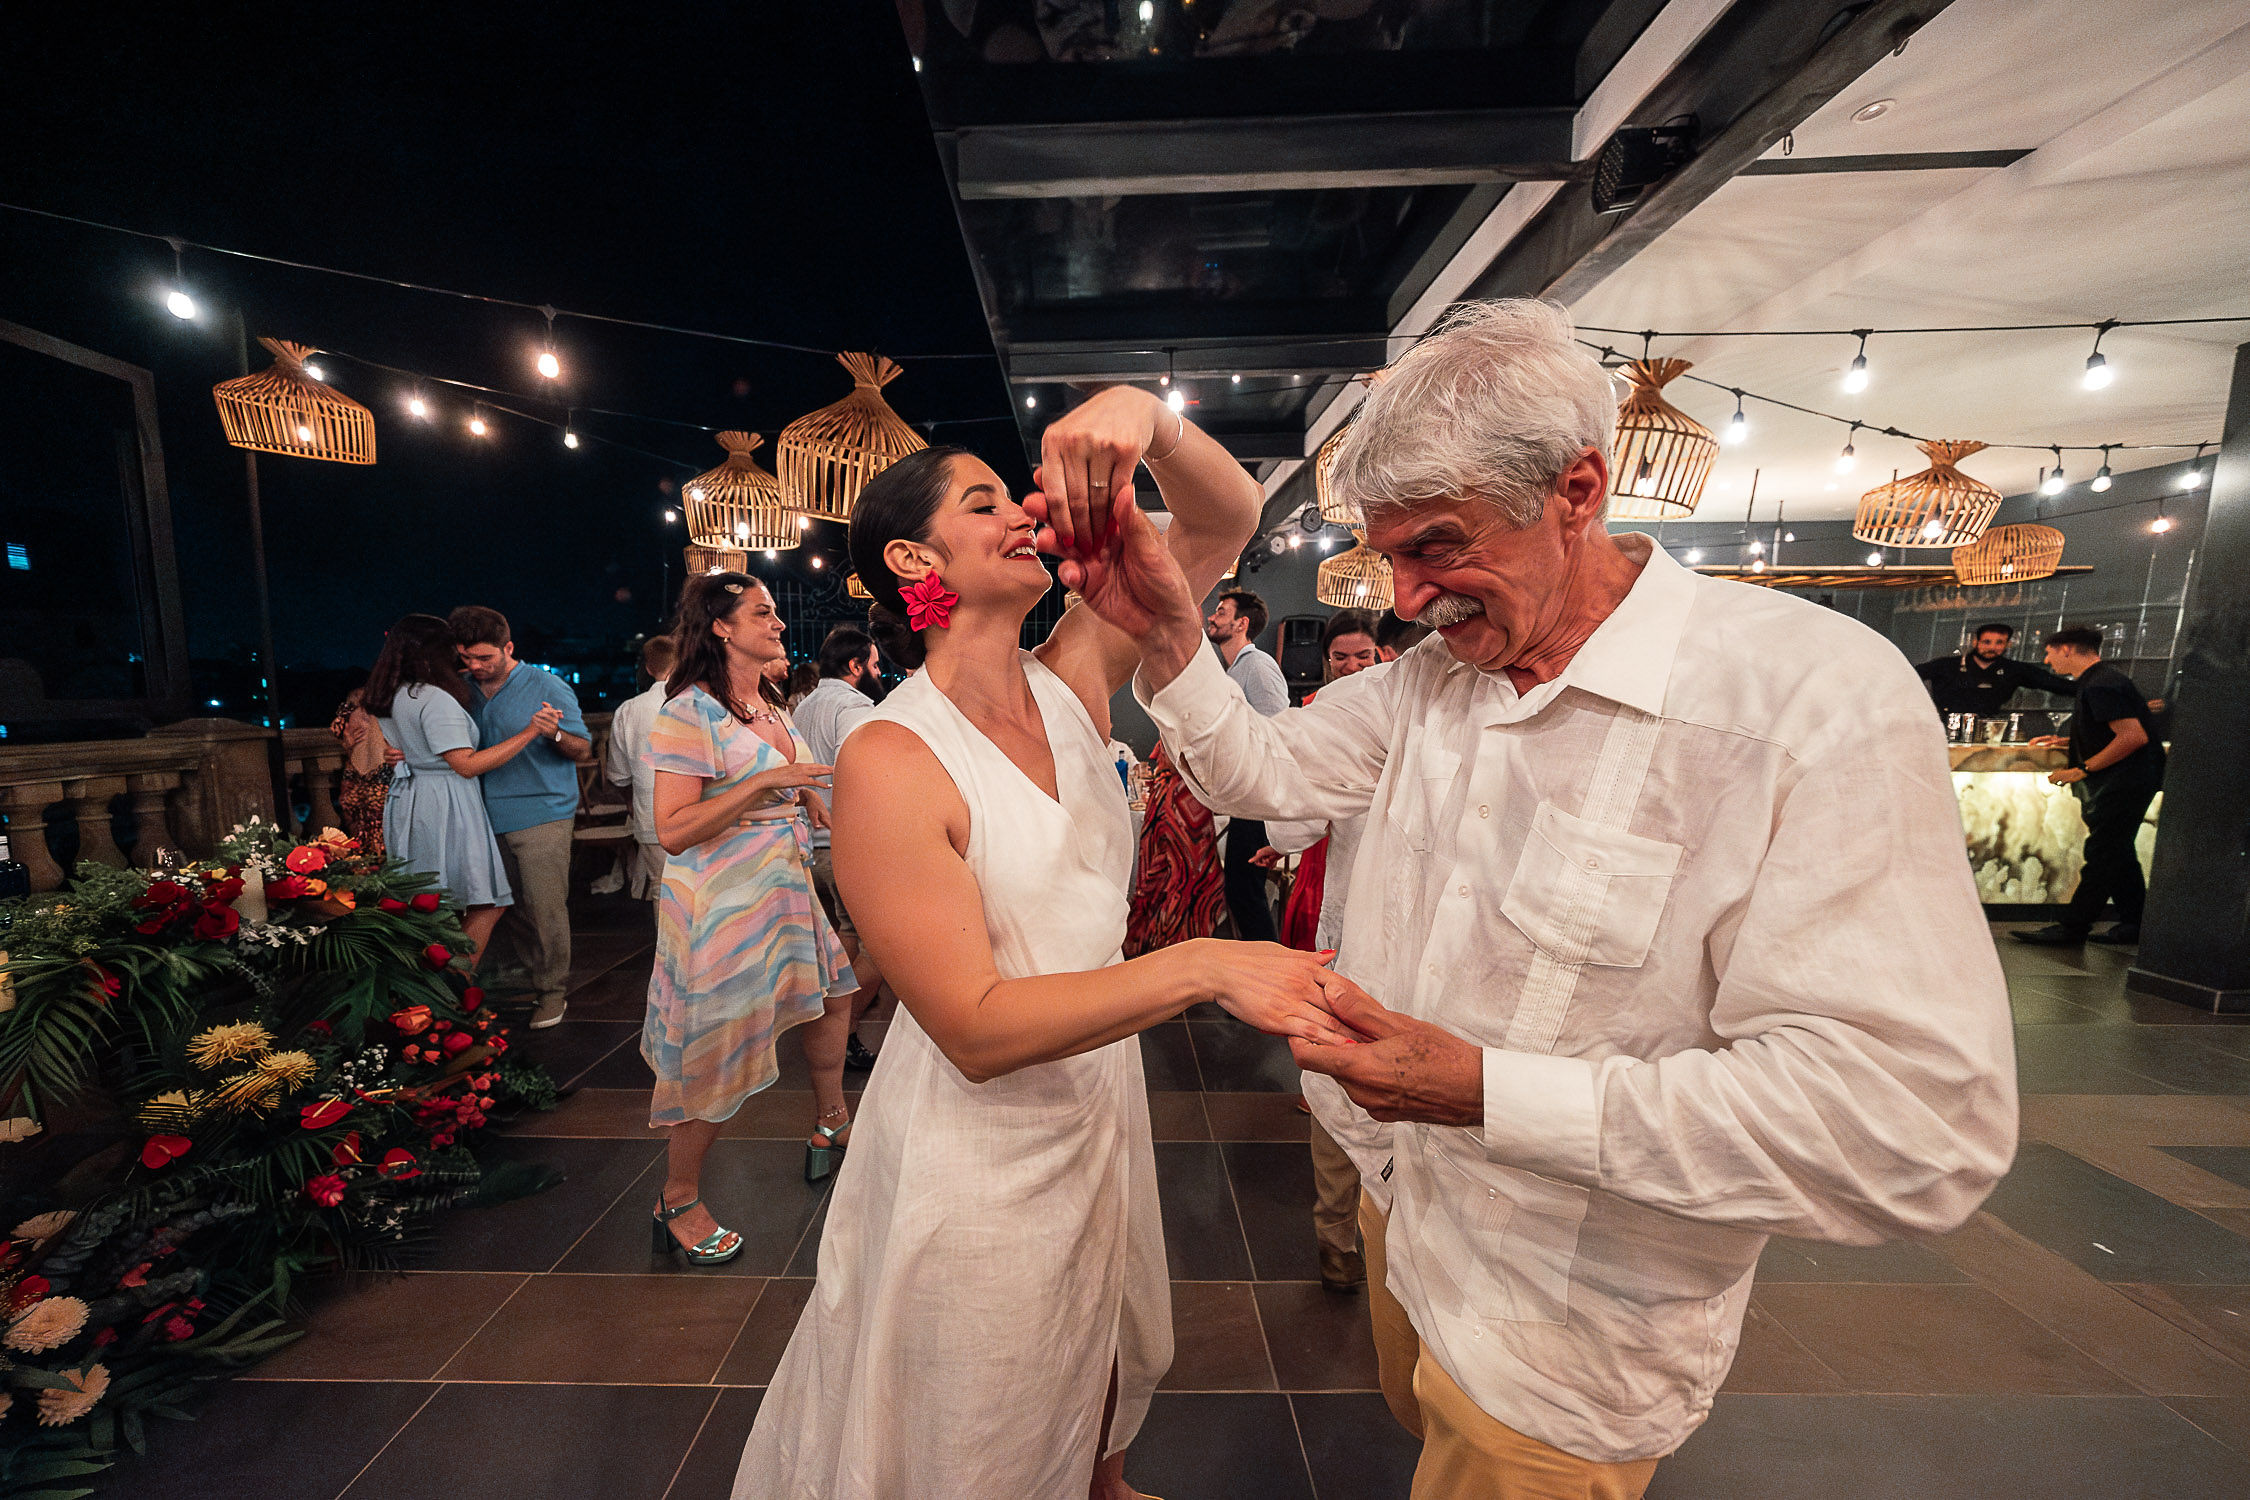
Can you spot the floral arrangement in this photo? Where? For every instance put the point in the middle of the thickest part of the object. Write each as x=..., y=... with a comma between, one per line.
x=292, y=1065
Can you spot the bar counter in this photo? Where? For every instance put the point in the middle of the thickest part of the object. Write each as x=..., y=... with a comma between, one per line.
x=2024, y=833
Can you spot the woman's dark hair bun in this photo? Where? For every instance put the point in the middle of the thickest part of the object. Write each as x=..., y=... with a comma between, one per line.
x=897, y=505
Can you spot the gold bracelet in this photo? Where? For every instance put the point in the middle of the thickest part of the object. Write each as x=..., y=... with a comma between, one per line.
x=1177, y=436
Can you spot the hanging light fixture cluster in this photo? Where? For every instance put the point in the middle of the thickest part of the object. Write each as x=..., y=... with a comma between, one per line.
x=1939, y=507
x=827, y=456
x=738, y=506
x=286, y=409
x=2009, y=554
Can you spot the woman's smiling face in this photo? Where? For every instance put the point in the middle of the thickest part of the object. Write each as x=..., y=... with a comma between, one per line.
x=984, y=540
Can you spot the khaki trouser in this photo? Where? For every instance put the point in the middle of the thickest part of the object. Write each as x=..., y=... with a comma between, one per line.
x=538, y=864
x=1335, y=1194
x=1467, y=1455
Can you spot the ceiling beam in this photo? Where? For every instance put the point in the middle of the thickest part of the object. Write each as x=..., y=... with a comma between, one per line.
x=1126, y=158
x=1760, y=71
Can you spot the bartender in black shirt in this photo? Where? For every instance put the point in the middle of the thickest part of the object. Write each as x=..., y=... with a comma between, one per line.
x=2116, y=768
x=1982, y=679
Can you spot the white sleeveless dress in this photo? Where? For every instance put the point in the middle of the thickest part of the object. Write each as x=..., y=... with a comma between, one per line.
x=991, y=1248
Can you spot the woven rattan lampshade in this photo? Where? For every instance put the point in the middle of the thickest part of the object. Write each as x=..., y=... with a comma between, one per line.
x=2010, y=554
x=715, y=560
x=1358, y=579
x=828, y=456
x=1660, y=456
x=1939, y=507
x=855, y=588
x=1334, y=509
x=284, y=410
x=738, y=505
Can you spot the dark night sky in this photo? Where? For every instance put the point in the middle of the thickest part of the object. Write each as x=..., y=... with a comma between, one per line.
x=757, y=169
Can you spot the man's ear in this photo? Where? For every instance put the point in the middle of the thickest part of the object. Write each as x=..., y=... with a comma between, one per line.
x=1582, y=489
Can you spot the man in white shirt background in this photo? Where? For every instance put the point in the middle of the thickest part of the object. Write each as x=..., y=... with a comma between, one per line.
x=1234, y=625
x=851, y=682
x=1639, y=848
x=625, y=763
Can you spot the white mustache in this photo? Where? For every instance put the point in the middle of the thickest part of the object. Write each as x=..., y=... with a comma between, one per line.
x=1448, y=609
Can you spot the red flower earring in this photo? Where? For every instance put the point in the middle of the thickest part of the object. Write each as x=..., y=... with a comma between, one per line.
x=929, y=602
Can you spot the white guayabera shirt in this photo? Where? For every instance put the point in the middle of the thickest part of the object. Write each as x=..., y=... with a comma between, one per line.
x=1703, y=902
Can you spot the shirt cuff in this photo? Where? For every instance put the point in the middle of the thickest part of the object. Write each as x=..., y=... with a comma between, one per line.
x=1541, y=1113
x=1191, y=702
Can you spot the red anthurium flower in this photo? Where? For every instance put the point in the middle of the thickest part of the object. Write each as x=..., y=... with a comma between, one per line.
x=320, y=1028
x=399, y=1164
x=28, y=1291
x=305, y=859
x=425, y=903
x=217, y=922
x=437, y=955
x=177, y=1328
x=149, y=929
x=112, y=983
x=324, y=1114
x=499, y=1044
x=163, y=1150
x=471, y=998
x=413, y=1020
x=346, y=1151
x=390, y=903
x=458, y=1041
x=327, y=1190
x=223, y=890
x=286, y=888
x=929, y=602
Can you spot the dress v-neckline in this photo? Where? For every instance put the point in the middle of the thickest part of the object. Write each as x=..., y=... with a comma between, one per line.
x=1046, y=735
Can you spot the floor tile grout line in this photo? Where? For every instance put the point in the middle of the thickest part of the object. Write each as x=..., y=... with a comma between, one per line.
x=819, y=1204
x=764, y=1287
x=1242, y=1227
x=689, y=1452
x=1297, y=1425
x=623, y=1041
x=435, y=1387
x=439, y=1372
x=656, y=1154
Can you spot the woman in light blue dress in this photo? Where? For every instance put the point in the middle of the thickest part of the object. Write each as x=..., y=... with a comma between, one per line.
x=434, y=821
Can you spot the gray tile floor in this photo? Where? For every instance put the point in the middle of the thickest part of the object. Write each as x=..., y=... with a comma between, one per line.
x=2087, y=1335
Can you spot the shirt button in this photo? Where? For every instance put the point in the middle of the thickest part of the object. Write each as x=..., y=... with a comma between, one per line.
x=1460, y=890
x=1484, y=809
x=1433, y=971
x=1593, y=863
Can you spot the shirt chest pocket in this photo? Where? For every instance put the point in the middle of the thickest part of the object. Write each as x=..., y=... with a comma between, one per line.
x=1509, y=1237
x=1585, y=894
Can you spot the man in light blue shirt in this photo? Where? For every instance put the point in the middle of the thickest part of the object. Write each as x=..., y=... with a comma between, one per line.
x=533, y=800
x=850, y=679
x=1235, y=624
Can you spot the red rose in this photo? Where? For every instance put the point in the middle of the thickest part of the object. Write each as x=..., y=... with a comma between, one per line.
x=217, y=922
x=441, y=1026
x=390, y=903
x=471, y=998
x=150, y=929
x=287, y=888
x=457, y=1042
x=324, y=1114
x=223, y=890
x=28, y=1291
x=162, y=893
x=163, y=1150
x=327, y=1190
x=437, y=955
x=425, y=903
x=399, y=1164
x=320, y=1028
x=346, y=1151
x=413, y=1020
x=307, y=859
x=413, y=1053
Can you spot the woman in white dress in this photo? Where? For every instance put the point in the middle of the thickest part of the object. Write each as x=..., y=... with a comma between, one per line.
x=992, y=1312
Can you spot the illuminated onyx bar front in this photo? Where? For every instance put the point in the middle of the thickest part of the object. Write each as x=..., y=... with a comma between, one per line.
x=2024, y=833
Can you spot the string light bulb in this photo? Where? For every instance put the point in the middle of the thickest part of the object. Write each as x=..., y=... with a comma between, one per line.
x=570, y=438
x=817, y=564
x=771, y=554
x=1694, y=556
x=2193, y=478
x=1855, y=378
x=1176, y=401
x=304, y=433
x=1237, y=379
x=1738, y=429
x=2162, y=523
x=1875, y=558
x=1850, y=456
x=176, y=301
x=2053, y=484
x=804, y=523
x=1757, y=565
x=316, y=372
x=670, y=515
x=1031, y=403
x=2098, y=372
x=477, y=424
x=548, y=365
x=2102, y=480
x=417, y=407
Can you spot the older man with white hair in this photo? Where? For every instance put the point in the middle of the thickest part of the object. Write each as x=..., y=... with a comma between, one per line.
x=1663, y=900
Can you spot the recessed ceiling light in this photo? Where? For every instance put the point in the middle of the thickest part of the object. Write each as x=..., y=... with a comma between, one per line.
x=1874, y=109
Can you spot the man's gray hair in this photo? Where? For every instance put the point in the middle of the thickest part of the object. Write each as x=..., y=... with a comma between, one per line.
x=1496, y=402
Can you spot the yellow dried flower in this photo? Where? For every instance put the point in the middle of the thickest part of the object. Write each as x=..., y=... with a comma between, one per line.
x=223, y=1044
x=45, y=1226
x=170, y=1109
x=50, y=1323
x=291, y=1070
x=248, y=1093
x=61, y=1408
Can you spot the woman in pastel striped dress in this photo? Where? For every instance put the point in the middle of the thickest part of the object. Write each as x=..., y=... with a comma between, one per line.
x=743, y=951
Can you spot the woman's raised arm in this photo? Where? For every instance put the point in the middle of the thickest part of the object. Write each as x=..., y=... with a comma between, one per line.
x=900, y=829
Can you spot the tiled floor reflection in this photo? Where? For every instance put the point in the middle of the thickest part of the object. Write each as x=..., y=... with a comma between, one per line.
x=2088, y=1335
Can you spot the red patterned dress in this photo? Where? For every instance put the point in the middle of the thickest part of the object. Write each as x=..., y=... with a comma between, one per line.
x=1178, y=892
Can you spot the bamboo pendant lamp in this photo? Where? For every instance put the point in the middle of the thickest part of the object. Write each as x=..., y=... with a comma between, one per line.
x=828, y=456
x=715, y=560
x=1939, y=507
x=1660, y=457
x=1358, y=579
x=284, y=410
x=855, y=588
x=737, y=506
x=2010, y=554
x=1333, y=507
